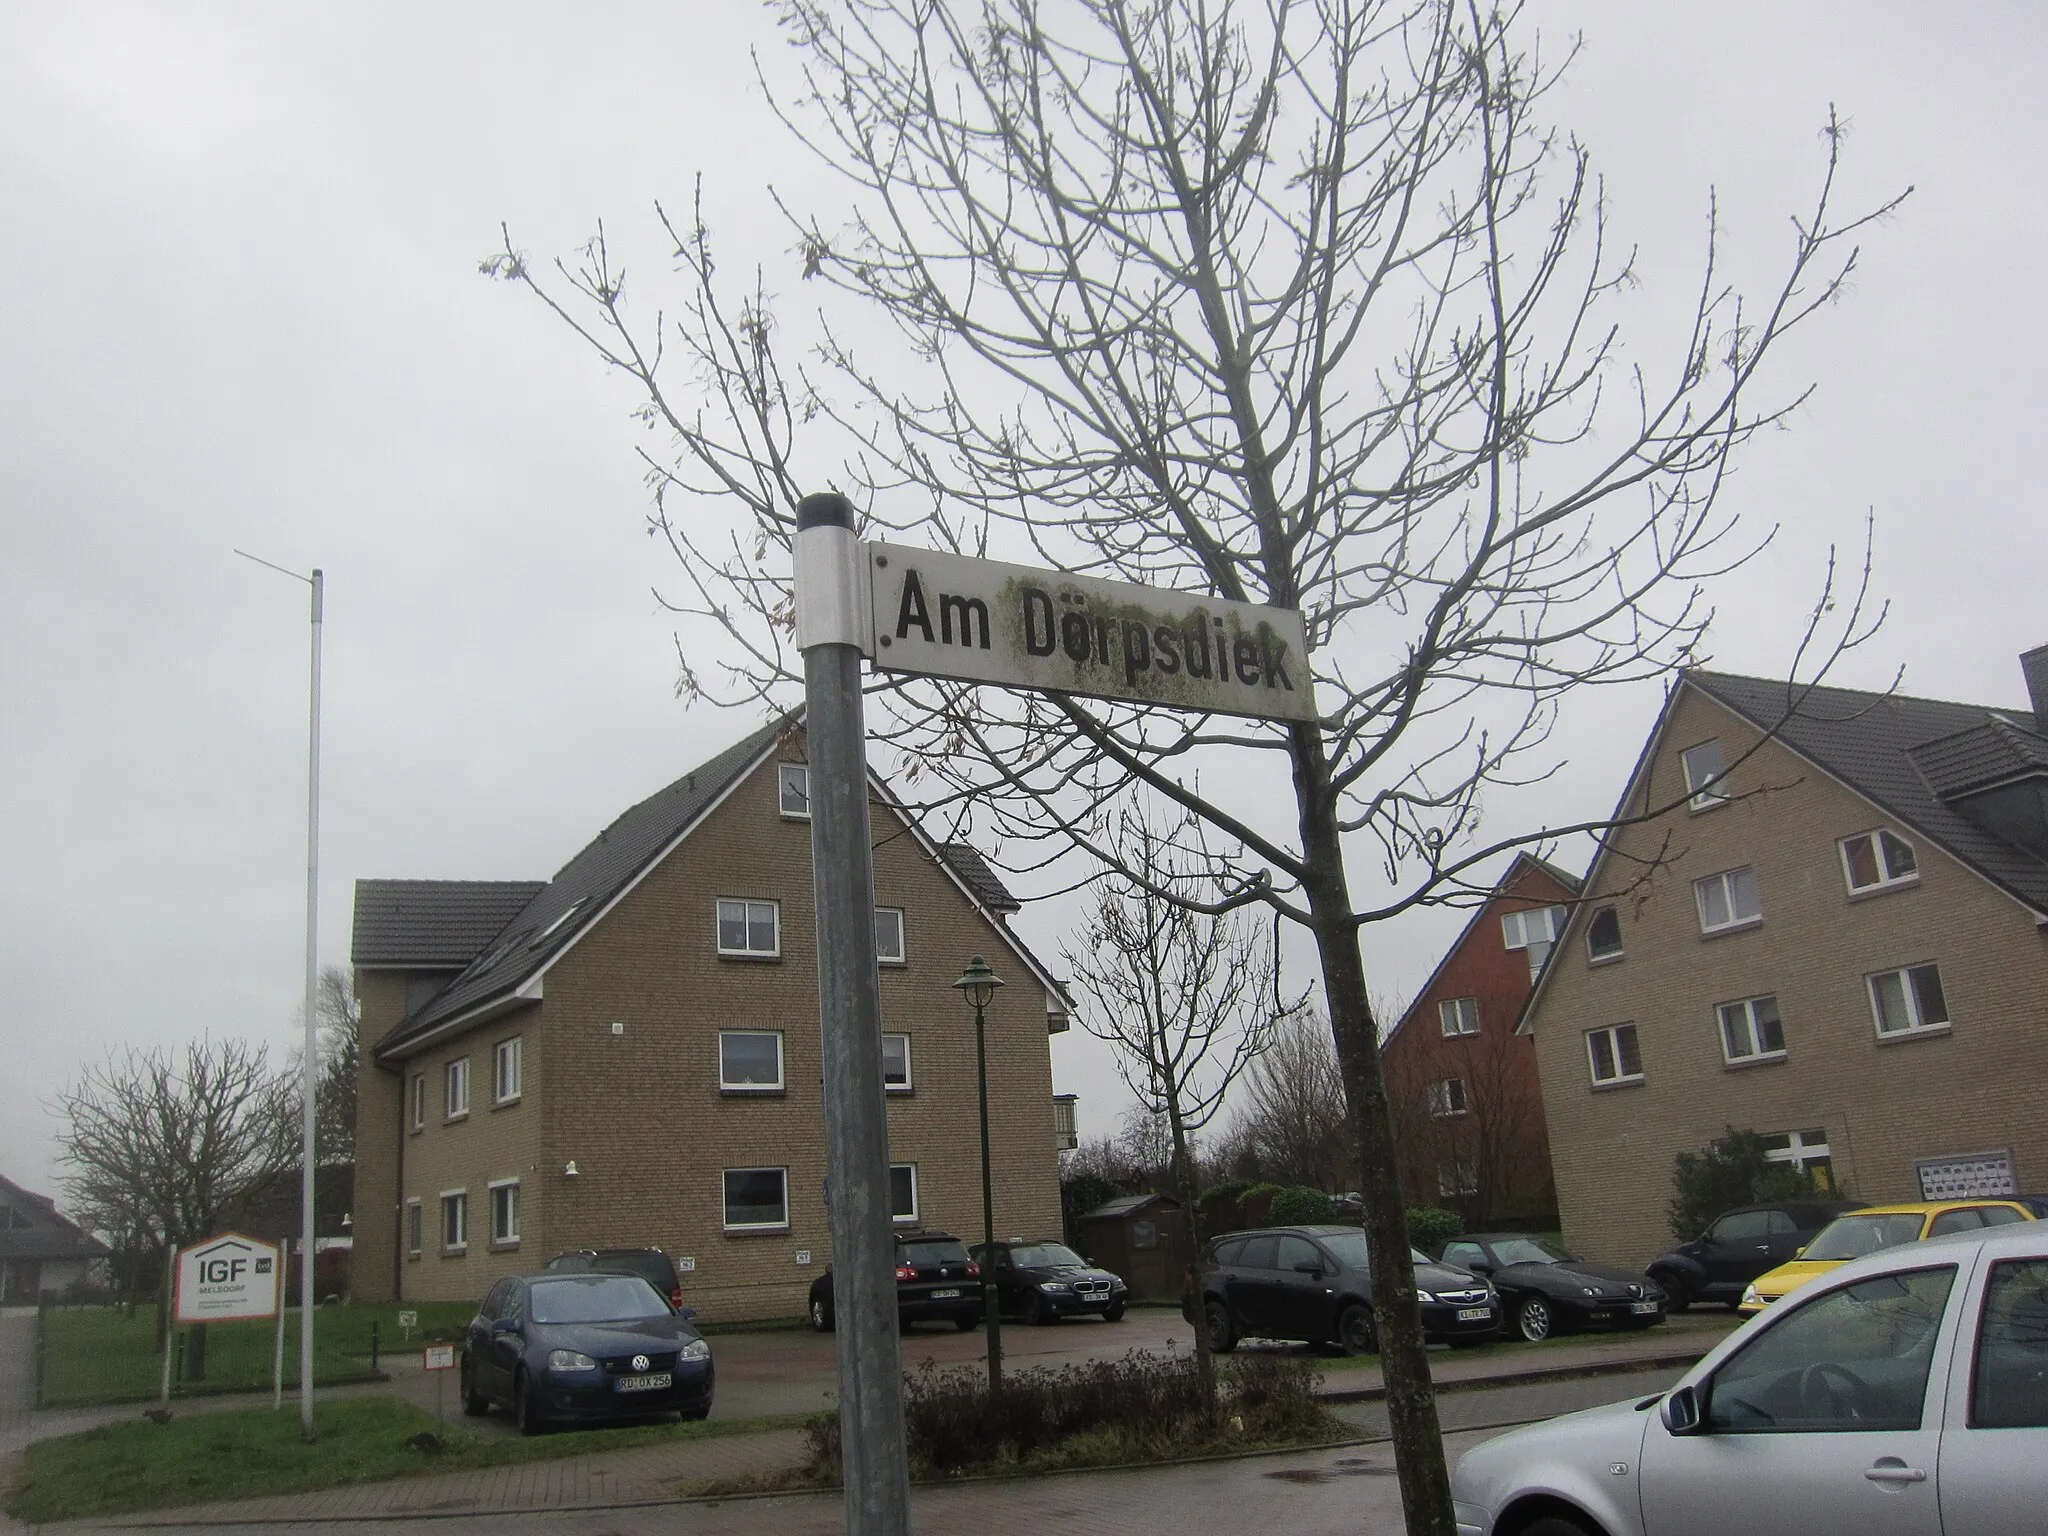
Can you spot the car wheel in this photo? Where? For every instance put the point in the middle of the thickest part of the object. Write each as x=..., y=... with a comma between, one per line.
x=1557, y=1525
x=821, y=1315
x=967, y=1322
x=1676, y=1297
x=1039, y=1314
x=1113, y=1313
x=525, y=1409
x=474, y=1403
x=1533, y=1320
x=1222, y=1331
x=1355, y=1331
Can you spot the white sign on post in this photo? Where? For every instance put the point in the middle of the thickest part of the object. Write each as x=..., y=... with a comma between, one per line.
x=228, y=1277
x=941, y=615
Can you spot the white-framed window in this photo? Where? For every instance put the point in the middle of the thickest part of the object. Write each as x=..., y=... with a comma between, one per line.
x=1751, y=1030
x=1603, y=935
x=1908, y=1001
x=1804, y=1150
x=756, y=1199
x=455, y=1088
x=1874, y=861
x=1534, y=930
x=454, y=1220
x=1613, y=1055
x=1457, y=1176
x=896, y=1063
x=504, y=1211
x=1447, y=1097
x=507, y=1070
x=889, y=935
x=419, y=1101
x=1703, y=769
x=1728, y=900
x=413, y=1222
x=903, y=1193
x=793, y=790
x=750, y=1060
x=749, y=927
x=1459, y=1015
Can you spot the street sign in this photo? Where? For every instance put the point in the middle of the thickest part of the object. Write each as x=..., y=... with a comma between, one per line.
x=227, y=1277
x=438, y=1357
x=407, y=1321
x=982, y=621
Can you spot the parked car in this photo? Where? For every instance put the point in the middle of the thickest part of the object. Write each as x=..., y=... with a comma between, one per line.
x=1902, y=1393
x=1738, y=1246
x=1046, y=1281
x=650, y=1264
x=936, y=1280
x=1310, y=1284
x=1873, y=1228
x=1544, y=1290
x=556, y=1347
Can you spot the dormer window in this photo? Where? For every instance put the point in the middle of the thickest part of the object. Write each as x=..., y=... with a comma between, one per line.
x=1703, y=771
x=1873, y=861
x=1534, y=930
x=793, y=790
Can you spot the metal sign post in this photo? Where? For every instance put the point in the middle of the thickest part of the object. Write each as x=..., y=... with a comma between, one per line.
x=437, y=1360
x=831, y=591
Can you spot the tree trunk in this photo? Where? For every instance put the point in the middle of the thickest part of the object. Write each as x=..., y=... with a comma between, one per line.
x=1184, y=1183
x=1397, y=1315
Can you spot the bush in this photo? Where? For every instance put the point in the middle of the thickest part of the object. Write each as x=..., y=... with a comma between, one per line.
x=1431, y=1226
x=1735, y=1170
x=1149, y=1405
x=1302, y=1207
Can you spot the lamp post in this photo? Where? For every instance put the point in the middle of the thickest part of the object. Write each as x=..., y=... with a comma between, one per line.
x=978, y=984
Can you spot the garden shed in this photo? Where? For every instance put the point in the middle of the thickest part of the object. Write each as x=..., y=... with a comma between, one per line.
x=1144, y=1238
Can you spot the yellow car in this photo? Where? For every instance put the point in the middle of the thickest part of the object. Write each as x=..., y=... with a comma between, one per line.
x=1872, y=1228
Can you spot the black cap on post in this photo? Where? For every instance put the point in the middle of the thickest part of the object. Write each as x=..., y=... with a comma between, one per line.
x=824, y=509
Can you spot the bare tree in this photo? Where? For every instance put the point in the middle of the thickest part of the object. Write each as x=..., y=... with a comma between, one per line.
x=1294, y=1116
x=1301, y=303
x=1184, y=998
x=340, y=1028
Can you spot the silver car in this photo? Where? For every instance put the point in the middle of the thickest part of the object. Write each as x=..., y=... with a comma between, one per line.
x=1905, y=1394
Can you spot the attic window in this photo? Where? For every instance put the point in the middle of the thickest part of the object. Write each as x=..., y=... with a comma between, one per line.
x=1603, y=935
x=548, y=932
x=1874, y=861
x=1703, y=771
x=793, y=790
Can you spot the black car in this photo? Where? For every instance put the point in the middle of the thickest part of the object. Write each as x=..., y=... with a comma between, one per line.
x=1311, y=1284
x=936, y=1281
x=1544, y=1290
x=1044, y=1282
x=556, y=1347
x=1738, y=1246
x=650, y=1264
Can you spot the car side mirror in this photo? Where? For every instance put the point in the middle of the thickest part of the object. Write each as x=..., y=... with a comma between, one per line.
x=1681, y=1412
x=686, y=1313
x=1800, y=1251
x=1480, y=1267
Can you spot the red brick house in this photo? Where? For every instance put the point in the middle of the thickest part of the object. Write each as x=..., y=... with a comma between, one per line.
x=1461, y=1084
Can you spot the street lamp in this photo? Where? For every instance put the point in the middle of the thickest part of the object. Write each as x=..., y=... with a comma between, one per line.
x=978, y=984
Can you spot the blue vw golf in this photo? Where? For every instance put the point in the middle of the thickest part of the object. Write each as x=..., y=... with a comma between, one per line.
x=583, y=1346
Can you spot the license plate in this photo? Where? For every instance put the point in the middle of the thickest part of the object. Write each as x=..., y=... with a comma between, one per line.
x=945, y=1295
x=652, y=1383
x=1643, y=1308
x=1474, y=1314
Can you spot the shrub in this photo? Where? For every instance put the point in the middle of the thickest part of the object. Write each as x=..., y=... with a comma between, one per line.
x=1734, y=1170
x=1302, y=1207
x=1431, y=1226
x=1148, y=1406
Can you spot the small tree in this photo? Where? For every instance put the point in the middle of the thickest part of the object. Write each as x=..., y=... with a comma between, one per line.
x=1736, y=1169
x=340, y=1031
x=1293, y=1124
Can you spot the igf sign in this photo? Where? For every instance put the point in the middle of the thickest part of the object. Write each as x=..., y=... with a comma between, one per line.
x=228, y=1277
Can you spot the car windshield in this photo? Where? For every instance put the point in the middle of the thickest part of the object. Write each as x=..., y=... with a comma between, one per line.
x=1528, y=1250
x=1851, y=1237
x=1349, y=1249
x=614, y=1299
x=931, y=1255
x=1047, y=1256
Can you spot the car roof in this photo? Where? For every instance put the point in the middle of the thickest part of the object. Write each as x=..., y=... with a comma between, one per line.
x=1931, y=1207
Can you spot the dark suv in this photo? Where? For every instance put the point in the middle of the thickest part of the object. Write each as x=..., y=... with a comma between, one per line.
x=1044, y=1282
x=1738, y=1246
x=650, y=1264
x=1311, y=1284
x=936, y=1281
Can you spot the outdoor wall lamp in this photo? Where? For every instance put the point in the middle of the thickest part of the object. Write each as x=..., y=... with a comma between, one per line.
x=570, y=1171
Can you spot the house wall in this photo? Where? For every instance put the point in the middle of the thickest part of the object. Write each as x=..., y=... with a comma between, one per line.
x=641, y=1113
x=1883, y=1104
x=1501, y=1137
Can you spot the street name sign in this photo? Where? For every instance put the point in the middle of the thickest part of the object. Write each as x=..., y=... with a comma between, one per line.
x=982, y=621
x=226, y=1278
x=438, y=1357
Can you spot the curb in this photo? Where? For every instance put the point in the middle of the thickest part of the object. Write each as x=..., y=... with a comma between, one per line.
x=1668, y=1360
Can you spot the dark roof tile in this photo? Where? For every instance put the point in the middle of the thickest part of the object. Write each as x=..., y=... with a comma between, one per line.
x=434, y=924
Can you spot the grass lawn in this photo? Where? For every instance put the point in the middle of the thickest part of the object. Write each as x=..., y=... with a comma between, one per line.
x=198, y=1458
x=105, y=1355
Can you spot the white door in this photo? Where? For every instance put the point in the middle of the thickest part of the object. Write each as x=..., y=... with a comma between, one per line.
x=1823, y=1425
x=1994, y=1441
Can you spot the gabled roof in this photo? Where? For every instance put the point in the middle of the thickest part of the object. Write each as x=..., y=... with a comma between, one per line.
x=433, y=924
x=1900, y=753
x=1124, y=1205
x=970, y=866
x=48, y=1235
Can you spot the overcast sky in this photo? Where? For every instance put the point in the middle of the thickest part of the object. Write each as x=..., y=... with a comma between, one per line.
x=240, y=307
